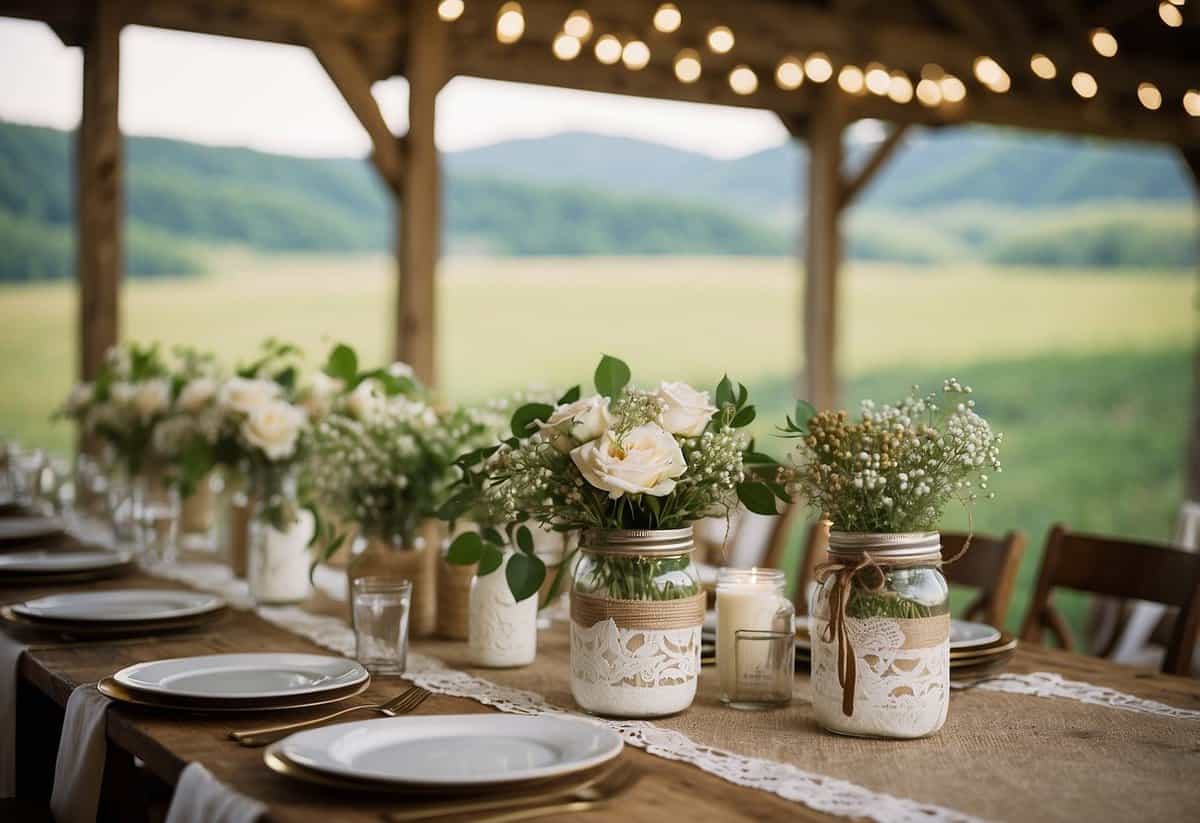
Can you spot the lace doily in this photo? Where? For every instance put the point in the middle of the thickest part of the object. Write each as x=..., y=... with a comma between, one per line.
x=1049, y=684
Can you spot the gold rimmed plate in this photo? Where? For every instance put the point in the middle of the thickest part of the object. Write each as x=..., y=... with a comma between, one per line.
x=109, y=629
x=1007, y=643
x=112, y=689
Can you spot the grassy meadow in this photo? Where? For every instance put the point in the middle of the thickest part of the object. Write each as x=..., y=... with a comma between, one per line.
x=1087, y=373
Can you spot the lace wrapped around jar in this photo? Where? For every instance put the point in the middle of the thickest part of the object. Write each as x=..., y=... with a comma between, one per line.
x=636, y=614
x=881, y=636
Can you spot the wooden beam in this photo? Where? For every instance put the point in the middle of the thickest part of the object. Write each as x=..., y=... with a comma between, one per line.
x=99, y=204
x=851, y=188
x=1191, y=156
x=420, y=211
x=349, y=75
x=822, y=250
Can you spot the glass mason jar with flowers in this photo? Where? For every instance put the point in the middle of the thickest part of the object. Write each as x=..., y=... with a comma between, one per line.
x=630, y=470
x=880, y=617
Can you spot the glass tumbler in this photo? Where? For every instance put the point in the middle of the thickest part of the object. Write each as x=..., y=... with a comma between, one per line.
x=381, y=606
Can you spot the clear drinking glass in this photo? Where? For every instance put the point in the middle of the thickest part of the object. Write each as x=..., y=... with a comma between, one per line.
x=159, y=524
x=381, y=606
x=27, y=476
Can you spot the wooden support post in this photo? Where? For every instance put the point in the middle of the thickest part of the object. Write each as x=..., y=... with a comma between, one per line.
x=99, y=203
x=1192, y=468
x=822, y=250
x=852, y=188
x=420, y=209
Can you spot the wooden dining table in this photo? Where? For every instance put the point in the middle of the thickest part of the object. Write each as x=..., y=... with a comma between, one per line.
x=148, y=748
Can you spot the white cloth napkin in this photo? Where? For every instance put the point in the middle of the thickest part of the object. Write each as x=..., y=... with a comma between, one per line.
x=79, y=770
x=10, y=656
x=201, y=798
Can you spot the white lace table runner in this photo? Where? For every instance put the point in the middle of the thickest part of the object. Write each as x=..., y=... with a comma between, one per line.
x=1049, y=684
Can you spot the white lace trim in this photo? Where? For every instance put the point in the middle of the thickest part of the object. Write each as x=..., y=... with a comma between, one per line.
x=1049, y=684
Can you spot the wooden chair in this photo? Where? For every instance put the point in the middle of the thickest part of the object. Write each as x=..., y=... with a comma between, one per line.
x=1118, y=568
x=990, y=565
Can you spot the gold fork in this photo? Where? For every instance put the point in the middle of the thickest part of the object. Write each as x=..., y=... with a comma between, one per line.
x=581, y=797
x=402, y=703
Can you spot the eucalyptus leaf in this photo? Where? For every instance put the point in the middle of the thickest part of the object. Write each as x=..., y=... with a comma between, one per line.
x=744, y=417
x=466, y=549
x=757, y=497
x=804, y=413
x=525, y=540
x=525, y=573
x=524, y=418
x=725, y=391
x=342, y=363
x=570, y=397
x=611, y=376
x=491, y=535
x=743, y=394
x=489, y=560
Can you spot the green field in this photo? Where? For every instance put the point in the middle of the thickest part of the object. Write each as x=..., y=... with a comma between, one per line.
x=1088, y=374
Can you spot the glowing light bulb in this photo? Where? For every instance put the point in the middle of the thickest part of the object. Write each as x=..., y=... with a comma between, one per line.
x=987, y=71
x=900, y=88
x=451, y=10
x=1043, y=67
x=687, y=66
x=789, y=74
x=608, y=49
x=635, y=55
x=566, y=46
x=510, y=23
x=850, y=79
x=1191, y=102
x=578, y=24
x=932, y=71
x=953, y=89
x=720, y=39
x=667, y=19
x=929, y=93
x=817, y=67
x=877, y=79
x=1084, y=84
x=743, y=80
x=1170, y=14
x=1103, y=42
x=1149, y=96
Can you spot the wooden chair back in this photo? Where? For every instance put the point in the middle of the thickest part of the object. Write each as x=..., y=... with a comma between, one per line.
x=1118, y=568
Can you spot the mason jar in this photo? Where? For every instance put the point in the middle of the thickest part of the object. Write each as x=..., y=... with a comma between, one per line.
x=636, y=614
x=880, y=631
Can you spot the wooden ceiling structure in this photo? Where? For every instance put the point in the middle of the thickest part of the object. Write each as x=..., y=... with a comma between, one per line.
x=1148, y=90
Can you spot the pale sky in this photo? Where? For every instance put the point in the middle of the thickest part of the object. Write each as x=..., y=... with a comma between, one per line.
x=277, y=98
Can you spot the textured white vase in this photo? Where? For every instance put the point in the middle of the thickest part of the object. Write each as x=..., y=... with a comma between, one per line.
x=278, y=563
x=501, y=633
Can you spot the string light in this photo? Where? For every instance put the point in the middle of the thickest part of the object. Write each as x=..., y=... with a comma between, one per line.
x=687, y=66
x=877, y=79
x=635, y=55
x=900, y=88
x=929, y=93
x=817, y=67
x=932, y=71
x=510, y=23
x=953, y=89
x=667, y=19
x=1043, y=66
x=1170, y=14
x=720, y=39
x=1084, y=84
x=1104, y=43
x=789, y=74
x=1149, y=96
x=743, y=80
x=578, y=25
x=1191, y=102
x=451, y=10
x=850, y=79
x=566, y=46
x=991, y=74
x=608, y=49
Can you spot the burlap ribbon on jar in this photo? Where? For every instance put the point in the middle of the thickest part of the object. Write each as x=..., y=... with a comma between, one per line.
x=588, y=609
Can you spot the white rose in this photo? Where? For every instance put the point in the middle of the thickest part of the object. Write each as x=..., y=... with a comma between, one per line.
x=685, y=411
x=318, y=398
x=575, y=423
x=400, y=369
x=81, y=397
x=121, y=393
x=367, y=401
x=242, y=395
x=197, y=394
x=274, y=427
x=646, y=461
x=152, y=397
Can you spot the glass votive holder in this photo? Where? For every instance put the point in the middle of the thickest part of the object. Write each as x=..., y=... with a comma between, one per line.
x=381, y=607
x=765, y=663
x=159, y=525
x=753, y=616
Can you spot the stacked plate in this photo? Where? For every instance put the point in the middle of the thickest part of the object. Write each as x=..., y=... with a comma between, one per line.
x=24, y=528
x=976, y=649
x=238, y=682
x=45, y=566
x=121, y=611
x=445, y=753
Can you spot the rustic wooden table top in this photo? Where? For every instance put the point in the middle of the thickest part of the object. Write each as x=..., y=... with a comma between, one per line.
x=167, y=742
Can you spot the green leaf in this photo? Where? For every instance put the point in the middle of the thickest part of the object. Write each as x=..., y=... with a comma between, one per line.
x=524, y=418
x=457, y=506
x=804, y=413
x=757, y=497
x=286, y=378
x=525, y=573
x=743, y=394
x=560, y=576
x=525, y=540
x=491, y=535
x=570, y=397
x=475, y=457
x=466, y=549
x=342, y=363
x=754, y=458
x=725, y=391
x=489, y=560
x=611, y=376
x=391, y=384
x=779, y=490
x=744, y=417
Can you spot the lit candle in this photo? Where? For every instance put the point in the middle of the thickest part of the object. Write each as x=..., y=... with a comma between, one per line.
x=748, y=599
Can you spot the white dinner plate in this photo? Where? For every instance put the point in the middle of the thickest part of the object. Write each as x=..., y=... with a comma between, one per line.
x=120, y=606
x=242, y=676
x=56, y=562
x=965, y=635
x=454, y=750
x=27, y=528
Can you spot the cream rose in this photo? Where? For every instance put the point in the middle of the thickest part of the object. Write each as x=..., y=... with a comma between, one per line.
x=197, y=394
x=274, y=428
x=240, y=394
x=318, y=397
x=685, y=411
x=121, y=393
x=151, y=397
x=367, y=401
x=645, y=461
x=81, y=397
x=575, y=423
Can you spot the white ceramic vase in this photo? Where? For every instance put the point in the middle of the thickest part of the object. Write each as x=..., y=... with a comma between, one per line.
x=501, y=632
